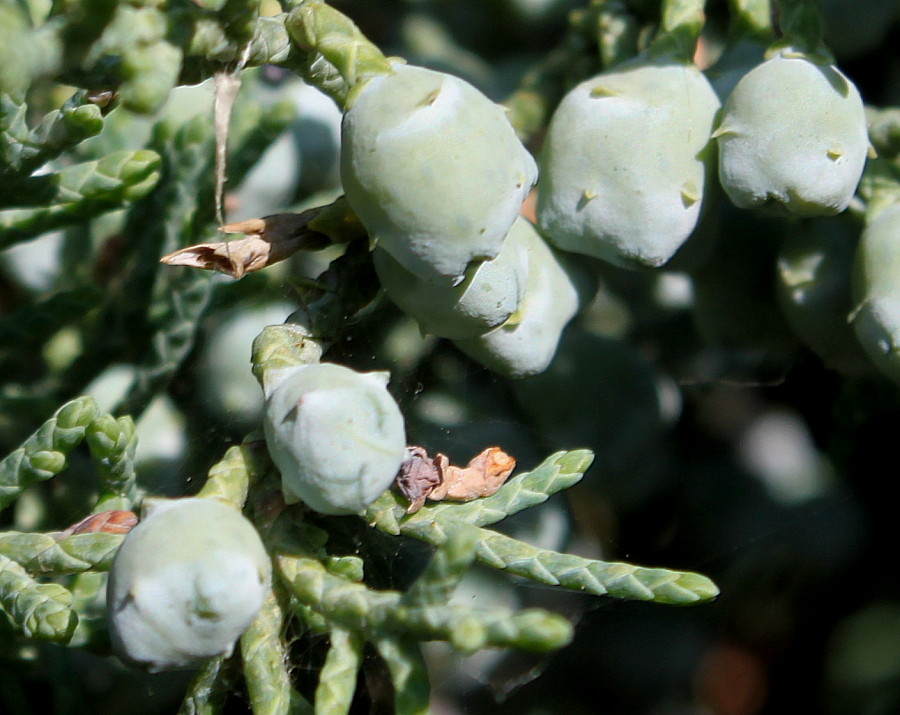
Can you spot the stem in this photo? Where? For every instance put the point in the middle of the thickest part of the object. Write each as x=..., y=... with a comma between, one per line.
x=337, y=682
x=340, y=59
x=265, y=660
x=48, y=555
x=409, y=675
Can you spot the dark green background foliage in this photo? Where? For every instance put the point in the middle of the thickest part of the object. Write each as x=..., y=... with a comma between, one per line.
x=728, y=439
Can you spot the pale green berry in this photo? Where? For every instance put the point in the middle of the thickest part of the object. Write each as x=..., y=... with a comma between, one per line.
x=813, y=287
x=336, y=436
x=876, y=317
x=625, y=162
x=185, y=583
x=433, y=169
x=555, y=290
x=490, y=292
x=793, y=134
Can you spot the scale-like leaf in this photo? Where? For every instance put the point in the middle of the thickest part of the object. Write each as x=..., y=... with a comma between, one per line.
x=49, y=555
x=43, y=455
x=23, y=150
x=265, y=660
x=409, y=675
x=39, y=610
x=337, y=679
x=75, y=193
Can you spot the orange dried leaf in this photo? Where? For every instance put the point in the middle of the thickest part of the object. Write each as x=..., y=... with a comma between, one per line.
x=109, y=522
x=481, y=477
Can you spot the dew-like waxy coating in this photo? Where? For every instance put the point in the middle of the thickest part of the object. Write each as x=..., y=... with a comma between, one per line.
x=625, y=162
x=554, y=292
x=336, y=436
x=433, y=169
x=793, y=133
x=185, y=584
x=489, y=294
x=876, y=317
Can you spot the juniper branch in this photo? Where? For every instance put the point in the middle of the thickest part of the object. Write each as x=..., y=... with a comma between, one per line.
x=230, y=478
x=264, y=656
x=53, y=555
x=344, y=292
x=75, y=193
x=42, y=611
x=88, y=589
x=436, y=583
x=22, y=149
x=43, y=455
x=112, y=443
x=207, y=691
x=354, y=606
x=409, y=675
x=340, y=59
x=337, y=679
x=619, y=580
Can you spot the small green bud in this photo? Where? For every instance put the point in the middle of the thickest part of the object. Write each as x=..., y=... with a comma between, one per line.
x=185, y=583
x=468, y=635
x=793, y=133
x=433, y=169
x=542, y=631
x=336, y=436
x=47, y=463
x=150, y=73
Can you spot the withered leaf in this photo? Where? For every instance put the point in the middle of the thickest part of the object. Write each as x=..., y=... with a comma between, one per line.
x=417, y=477
x=109, y=522
x=433, y=478
x=268, y=240
x=481, y=477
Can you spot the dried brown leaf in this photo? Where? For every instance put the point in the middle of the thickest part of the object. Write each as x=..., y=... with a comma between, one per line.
x=417, y=477
x=481, y=477
x=268, y=240
x=109, y=522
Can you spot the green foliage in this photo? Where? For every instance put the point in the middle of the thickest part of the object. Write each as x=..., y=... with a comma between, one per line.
x=76, y=192
x=51, y=555
x=43, y=455
x=42, y=611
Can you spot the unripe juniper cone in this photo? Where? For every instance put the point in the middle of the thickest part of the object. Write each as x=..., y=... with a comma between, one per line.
x=876, y=317
x=556, y=288
x=186, y=582
x=793, y=135
x=433, y=169
x=336, y=435
x=625, y=163
x=490, y=292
